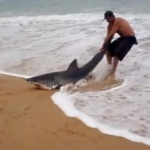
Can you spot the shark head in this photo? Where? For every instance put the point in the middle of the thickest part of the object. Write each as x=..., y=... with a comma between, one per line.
x=53, y=80
x=45, y=81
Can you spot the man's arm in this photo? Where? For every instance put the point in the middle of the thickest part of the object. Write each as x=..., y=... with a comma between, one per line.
x=108, y=30
x=111, y=32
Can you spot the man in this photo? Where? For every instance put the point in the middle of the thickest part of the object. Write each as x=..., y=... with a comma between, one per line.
x=118, y=49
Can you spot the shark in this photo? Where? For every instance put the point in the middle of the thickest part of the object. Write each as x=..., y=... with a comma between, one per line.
x=71, y=75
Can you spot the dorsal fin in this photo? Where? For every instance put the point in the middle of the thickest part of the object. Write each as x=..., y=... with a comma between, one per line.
x=73, y=65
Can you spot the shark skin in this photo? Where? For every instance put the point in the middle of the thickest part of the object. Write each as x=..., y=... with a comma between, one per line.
x=72, y=74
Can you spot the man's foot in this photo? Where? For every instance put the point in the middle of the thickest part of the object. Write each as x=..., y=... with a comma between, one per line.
x=112, y=72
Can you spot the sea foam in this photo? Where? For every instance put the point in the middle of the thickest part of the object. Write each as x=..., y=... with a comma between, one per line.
x=65, y=102
x=13, y=74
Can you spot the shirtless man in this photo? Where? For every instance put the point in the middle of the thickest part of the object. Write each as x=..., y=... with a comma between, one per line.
x=119, y=48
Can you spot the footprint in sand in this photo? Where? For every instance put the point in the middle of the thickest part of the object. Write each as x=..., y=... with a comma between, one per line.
x=69, y=132
x=24, y=113
x=26, y=109
x=66, y=125
x=9, y=93
x=65, y=131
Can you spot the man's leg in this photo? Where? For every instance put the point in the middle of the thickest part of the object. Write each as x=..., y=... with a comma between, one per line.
x=121, y=51
x=109, y=58
x=115, y=65
x=110, y=50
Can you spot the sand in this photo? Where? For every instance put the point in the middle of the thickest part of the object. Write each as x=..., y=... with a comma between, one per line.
x=29, y=120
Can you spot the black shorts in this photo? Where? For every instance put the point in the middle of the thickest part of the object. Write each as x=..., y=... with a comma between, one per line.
x=121, y=46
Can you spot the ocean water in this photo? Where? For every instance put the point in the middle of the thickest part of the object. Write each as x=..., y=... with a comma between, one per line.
x=43, y=36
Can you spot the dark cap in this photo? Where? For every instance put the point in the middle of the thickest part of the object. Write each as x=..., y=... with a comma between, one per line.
x=108, y=14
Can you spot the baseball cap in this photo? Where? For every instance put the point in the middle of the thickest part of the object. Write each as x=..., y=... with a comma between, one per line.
x=108, y=13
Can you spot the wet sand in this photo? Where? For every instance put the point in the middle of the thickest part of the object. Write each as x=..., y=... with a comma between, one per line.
x=29, y=120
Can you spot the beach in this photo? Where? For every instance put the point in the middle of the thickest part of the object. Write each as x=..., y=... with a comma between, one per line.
x=30, y=120
x=45, y=36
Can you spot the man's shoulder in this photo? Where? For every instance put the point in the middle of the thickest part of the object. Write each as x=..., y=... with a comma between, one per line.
x=118, y=20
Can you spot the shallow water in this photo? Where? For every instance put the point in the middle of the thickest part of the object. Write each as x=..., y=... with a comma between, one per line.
x=32, y=45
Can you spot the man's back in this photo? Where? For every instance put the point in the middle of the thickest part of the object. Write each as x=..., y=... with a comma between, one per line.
x=124, y=28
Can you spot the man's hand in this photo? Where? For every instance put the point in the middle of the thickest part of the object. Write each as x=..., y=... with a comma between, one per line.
x=102, y=49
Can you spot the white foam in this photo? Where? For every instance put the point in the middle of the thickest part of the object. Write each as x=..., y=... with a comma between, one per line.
x=147, y=41
x=66, y=103
x=118, y=87
x=129, y=104
x=77, y=16
x=33, y=45
x=13, y=74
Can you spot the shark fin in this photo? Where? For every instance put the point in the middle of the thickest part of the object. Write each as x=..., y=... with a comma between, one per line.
x=73, y=65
